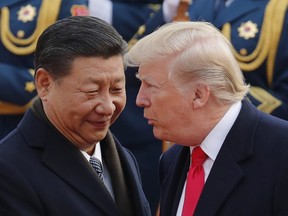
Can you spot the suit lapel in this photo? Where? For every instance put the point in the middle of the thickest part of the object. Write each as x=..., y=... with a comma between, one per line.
x=174, y=181
x=73, y=168
x=226, y=172
x=223, y=178
x=67, y=162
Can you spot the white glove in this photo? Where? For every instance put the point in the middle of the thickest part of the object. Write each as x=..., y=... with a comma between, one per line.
x=101, y=9
x=170, y=9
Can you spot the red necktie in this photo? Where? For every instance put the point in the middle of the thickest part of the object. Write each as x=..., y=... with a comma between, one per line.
x=195, y=181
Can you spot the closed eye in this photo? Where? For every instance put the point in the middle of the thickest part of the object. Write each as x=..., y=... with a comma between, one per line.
x=116, y=90
x=93, y=92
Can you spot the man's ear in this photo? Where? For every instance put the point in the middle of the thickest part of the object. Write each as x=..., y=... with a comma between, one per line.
x=202, y=93
x=43, y=82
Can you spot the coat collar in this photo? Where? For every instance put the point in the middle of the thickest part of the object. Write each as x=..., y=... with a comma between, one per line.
x=226, y=172
x=67, y=162
x=174, y=178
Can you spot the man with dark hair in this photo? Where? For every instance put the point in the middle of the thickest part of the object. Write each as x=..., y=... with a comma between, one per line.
x=44, y=165
x=22, y=22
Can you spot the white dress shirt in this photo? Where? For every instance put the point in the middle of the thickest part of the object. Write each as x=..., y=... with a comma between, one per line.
x=212, y=143
x=107, y=180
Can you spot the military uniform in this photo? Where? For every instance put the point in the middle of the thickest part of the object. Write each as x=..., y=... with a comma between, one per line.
x=258, y=31
x=129, y=15
x=125, y=15
x=22, y=21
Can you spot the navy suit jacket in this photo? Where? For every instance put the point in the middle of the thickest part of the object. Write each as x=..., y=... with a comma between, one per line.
x=249, y=176
x=42, y=173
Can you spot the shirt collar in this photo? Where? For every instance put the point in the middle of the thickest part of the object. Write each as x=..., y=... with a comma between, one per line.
x=212, y=143
x=96, y=153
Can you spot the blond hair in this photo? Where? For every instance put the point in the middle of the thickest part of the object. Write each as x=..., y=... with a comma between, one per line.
x=198, y=52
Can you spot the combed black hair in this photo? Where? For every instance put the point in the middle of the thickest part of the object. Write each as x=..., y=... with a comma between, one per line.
x=73, y=37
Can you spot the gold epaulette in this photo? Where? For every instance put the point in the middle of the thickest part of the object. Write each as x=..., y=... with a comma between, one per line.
x=12, y=109
x=268, y=43
x=48, y=14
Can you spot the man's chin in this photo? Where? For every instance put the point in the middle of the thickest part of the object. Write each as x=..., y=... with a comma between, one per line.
x=157, y=134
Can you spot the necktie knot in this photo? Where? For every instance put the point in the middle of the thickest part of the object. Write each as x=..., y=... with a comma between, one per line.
x=97, y=165
x=198, y=156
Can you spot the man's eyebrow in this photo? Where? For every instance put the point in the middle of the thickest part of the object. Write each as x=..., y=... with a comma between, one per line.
x=99, y=80
x=146, y=79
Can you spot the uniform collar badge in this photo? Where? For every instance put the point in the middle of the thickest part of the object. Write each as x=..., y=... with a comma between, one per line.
x=26, y=13
x=248, y=30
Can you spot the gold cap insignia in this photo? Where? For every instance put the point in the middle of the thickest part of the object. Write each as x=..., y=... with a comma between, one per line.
x=26, y=13
x=248, y=30
x=30, y=86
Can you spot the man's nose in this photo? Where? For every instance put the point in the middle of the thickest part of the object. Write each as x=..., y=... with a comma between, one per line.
x=106, y=106
x=142, y=99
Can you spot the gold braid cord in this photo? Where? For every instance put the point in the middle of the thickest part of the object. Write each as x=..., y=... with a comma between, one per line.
x=182, y=15
x=142, y=28
x=48, y=14
x=268, y=42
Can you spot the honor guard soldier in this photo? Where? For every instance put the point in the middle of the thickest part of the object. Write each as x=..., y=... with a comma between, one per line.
x=125, y=15
x=21, y=24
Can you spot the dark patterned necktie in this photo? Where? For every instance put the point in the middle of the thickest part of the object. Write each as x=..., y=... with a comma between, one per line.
x=96, y=164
